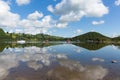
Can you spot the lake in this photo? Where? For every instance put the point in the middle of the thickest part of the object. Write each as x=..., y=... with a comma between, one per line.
x=51, y=61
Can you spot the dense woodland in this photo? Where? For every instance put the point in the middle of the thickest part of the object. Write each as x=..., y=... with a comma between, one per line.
x=87, y=37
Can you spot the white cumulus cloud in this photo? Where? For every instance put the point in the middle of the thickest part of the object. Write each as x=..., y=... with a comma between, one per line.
x=22, y=2
x=117, y=2
x=34, y=25
x=35, y=22
x=50, y=8
x=98, y=22
x=78, y=31
x=36, y=15
x=7, y=18
x=61, y=25
x=74, y=10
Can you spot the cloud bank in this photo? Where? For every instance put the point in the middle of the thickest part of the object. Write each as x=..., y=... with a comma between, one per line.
x=74, y=10
x=36, y=22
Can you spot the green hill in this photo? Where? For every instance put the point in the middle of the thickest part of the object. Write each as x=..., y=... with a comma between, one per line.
x=48, y=37
x=37, y=37
x=91, y=37
x=87, y=37
x=10, y=37
x=3, y=36
x=2, y=32
x=116, y=39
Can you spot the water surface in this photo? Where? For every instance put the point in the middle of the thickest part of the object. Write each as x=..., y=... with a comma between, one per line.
x=59, y=61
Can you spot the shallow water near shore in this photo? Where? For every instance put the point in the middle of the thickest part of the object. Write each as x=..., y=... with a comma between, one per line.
x=59, y=61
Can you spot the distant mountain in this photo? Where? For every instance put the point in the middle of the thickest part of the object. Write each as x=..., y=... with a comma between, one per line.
x=90, y=37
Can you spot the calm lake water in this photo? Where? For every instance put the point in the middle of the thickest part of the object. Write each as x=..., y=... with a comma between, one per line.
x=78, y=61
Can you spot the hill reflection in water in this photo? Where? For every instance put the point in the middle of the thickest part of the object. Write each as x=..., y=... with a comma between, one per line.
x=89, y=46
x=14, y=45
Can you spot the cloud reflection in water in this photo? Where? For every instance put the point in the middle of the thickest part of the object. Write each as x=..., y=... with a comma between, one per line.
x=73, y=70
x=37, y=58
x=11, y=57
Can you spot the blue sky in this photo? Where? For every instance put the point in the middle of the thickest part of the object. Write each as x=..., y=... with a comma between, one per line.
x=65, y=18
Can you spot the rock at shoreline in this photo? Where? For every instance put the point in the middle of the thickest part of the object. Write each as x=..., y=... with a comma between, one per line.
x=113, y=61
